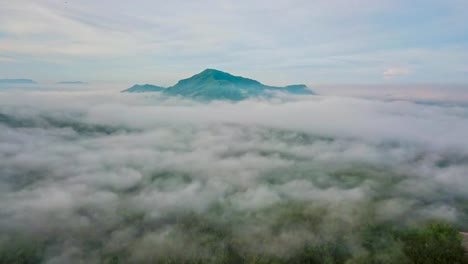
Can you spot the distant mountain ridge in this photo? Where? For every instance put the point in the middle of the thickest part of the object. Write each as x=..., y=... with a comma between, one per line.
x=212, y=84
x=11, y=81
x=141, y=88
x=72, y=82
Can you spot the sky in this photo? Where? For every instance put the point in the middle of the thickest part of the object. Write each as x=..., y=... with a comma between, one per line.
x=280, y=42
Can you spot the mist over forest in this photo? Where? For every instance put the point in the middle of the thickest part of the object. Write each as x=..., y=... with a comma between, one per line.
x=113, y=178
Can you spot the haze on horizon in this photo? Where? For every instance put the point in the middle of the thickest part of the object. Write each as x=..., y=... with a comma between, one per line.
x=312, y=42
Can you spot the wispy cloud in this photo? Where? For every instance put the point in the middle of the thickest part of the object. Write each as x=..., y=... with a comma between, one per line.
x=6, y=59
x=395, y=72
x=308, y=43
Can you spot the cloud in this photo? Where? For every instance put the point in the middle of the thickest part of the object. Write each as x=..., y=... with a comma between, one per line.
x=153, y=41
x=395, y=72
x=435, y=93
x=6, y=59
x=141, y=177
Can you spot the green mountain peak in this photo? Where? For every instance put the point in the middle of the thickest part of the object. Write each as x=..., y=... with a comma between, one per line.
x=212, y=84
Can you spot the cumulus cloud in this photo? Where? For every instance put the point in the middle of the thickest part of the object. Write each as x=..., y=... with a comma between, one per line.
x=92, y=177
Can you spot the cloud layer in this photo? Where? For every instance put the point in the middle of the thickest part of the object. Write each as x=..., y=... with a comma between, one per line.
x=88, y=177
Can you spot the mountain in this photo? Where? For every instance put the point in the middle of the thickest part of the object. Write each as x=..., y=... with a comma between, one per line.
x=212, y=84
x=75, y=82
x=137, y=88
x=10, y=81
x=298, y=89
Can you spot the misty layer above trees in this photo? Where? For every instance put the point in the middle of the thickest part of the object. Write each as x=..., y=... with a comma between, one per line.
x=117, y=179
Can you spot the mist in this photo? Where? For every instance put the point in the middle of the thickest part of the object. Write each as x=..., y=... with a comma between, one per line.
x=89, y=177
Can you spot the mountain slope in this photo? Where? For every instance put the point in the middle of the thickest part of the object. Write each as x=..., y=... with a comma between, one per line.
x=138, y=88
x=212, y=84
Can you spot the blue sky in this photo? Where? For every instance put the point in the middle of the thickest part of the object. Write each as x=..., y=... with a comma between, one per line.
x=277, y=42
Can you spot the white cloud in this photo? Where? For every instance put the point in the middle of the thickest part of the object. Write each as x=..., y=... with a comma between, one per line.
x=154, y=39
x=395, y=72
x=127, y=170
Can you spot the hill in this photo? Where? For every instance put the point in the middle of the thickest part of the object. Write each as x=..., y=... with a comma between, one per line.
x=137, y=88
x=12, y=81
x=213, y=84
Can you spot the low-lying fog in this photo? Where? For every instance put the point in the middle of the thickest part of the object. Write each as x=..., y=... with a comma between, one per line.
x=87, y=176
